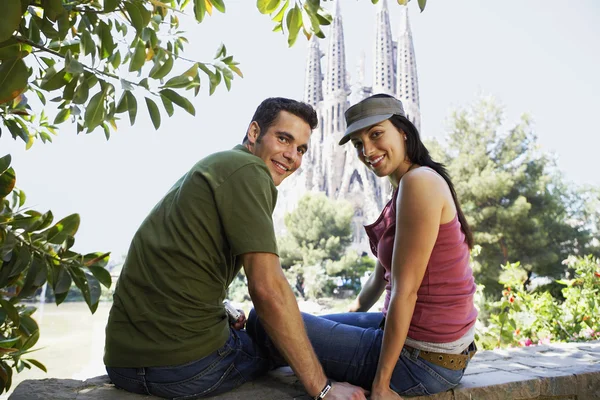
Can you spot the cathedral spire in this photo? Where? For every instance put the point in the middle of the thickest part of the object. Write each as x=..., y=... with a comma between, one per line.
x=335, y=79
x=383, y=67
x=313, y=86
x=407, y=83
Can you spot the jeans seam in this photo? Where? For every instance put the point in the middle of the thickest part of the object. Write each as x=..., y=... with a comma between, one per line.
x=141, y=381
x=433, y=373
x=210, y=389
x=205, y=371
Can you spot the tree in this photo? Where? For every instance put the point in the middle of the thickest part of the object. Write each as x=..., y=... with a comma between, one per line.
x=515, y=200
x=315, y=252
x=319, y=229
x=92, y=57
x=33, y=252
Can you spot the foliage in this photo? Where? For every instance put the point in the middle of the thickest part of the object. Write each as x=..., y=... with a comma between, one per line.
x=319, y=228
x=33, y=252
x=523, y=318
x=96, y=59
x=517, y=204
x=238, y=290
x=314, y=251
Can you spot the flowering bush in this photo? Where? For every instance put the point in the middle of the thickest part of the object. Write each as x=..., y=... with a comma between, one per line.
x=525, y=318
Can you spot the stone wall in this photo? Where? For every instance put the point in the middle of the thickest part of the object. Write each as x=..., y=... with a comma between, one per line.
x=562, y=371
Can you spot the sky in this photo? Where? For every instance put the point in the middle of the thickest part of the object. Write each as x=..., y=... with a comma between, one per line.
x=539, y=57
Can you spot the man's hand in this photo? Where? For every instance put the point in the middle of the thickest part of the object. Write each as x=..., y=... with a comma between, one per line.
x=385, y=394
x=346, y=391
x=241, y=321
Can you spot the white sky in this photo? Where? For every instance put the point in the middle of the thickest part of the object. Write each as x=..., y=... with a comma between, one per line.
x=535, y=56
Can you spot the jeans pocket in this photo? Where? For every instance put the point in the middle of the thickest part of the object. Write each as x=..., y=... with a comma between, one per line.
x=198, y=388
x=418, y=390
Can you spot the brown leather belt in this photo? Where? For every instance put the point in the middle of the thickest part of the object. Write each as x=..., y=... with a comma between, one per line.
x=450, y=361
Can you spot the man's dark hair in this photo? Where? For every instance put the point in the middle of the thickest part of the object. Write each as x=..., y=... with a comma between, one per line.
x=267, y=112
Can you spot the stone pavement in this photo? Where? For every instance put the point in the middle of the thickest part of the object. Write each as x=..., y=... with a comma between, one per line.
x=560, y=371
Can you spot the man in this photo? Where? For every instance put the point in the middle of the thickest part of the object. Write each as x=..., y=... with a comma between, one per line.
x=168, y=334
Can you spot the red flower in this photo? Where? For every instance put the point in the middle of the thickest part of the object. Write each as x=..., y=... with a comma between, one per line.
x=597, y=274
x=511, y=299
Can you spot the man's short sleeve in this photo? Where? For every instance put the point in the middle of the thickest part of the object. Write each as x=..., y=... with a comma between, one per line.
x=246, y=201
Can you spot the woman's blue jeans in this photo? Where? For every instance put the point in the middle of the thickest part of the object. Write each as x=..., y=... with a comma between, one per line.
x=348, y=346
x=238, y=361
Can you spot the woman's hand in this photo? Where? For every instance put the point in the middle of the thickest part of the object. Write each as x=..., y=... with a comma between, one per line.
x=384, y=394
x=354, y=306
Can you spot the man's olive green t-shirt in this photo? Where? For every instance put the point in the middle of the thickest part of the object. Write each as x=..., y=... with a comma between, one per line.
x=168, y=303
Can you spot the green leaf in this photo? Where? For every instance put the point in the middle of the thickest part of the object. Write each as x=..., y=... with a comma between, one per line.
x=115, y=59
x=14, y=50
x=11, y=18
x=215, y=79
x=135, y=15
x=64, y=228
x=13, y=79
x=294, y=23
x=87, y=43
x=168, y=105
x=12, y=313
x=279, y=16
x=422, y=4
x=53, y=8
x=154, y=113
x=221, y=51
x=22, y=262
x=81, y=282
x=29, y=328
x=139, y=57
x=219, y=5
x=62, y=116
x=81, y=93
x=36, y=277
x=110, y=5
x=9, y=343
x=178, y=82
x=102, y=275
x=95, y=111
x=199, y=9
x=162, y=67
x=61, y=280
x=7, y=182
x=37, y=364
x=128, y=103
x=54, y=80
x=179, y=100
x=267, y=6
x=72, y=65
x=5, y=163
x=107, y=44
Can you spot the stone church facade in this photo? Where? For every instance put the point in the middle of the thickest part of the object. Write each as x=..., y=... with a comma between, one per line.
x=336, y=170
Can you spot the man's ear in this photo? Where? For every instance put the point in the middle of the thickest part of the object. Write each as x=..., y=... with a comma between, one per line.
x=253, y=132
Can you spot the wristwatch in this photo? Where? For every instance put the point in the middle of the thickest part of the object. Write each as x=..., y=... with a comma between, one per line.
x=324, y=392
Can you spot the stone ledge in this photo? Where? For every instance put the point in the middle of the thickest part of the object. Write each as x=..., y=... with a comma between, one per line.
x=561, y=371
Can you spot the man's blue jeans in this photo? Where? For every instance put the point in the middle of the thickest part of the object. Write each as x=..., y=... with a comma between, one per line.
x=348, y=347
x=238, y=361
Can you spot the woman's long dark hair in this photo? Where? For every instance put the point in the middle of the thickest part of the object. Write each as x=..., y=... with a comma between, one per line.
x=418, y=154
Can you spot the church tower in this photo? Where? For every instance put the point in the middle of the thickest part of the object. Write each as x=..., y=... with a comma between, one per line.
x=336, y=170
x=334, y=104
x=407, y=87
x=383, y=68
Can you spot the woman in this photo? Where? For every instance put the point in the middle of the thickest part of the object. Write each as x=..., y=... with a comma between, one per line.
x=422, y=341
